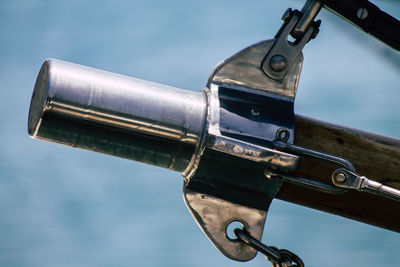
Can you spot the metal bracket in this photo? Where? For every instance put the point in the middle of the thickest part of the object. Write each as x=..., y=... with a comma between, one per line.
x=246, y=108
x=249, y=105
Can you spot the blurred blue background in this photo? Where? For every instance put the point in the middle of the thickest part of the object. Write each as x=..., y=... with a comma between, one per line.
x=61, y=206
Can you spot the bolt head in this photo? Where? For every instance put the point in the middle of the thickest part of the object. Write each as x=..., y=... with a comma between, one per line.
x=340, y=177
x=278, y=63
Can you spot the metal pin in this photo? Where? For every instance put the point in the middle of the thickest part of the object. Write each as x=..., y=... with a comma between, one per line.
x=340, y=177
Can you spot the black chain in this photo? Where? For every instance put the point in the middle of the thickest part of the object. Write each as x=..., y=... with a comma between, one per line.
x=277, y=257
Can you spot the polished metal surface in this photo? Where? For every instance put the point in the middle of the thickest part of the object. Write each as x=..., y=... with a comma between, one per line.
x=213, y=215
x=278, y=63
x=344, y=178
x=302, y=151
x=271, y=158
x=287, y=49
x=245, y=110
x=304, y=181
x=115, y=114
x=243, y=70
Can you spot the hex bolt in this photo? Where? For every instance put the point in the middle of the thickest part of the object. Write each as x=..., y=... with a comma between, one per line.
x=278, y=63
x=340, y=177
x=362, y=13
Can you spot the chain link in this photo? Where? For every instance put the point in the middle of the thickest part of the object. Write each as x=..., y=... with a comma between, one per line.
x=277, y=257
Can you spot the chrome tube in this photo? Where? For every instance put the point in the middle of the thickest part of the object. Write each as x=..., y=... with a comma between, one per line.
x=115, y=114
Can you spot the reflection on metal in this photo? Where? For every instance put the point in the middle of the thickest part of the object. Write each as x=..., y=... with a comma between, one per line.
x=274, y=159
x=225, y=140
x=303, y=181
x=214, y=215
x=347, y=179
x=233, y=146
x=115, y=114
x=243, y=70
x=313, y=154
x=220, y=139
x=284, y=51
x=227, y=182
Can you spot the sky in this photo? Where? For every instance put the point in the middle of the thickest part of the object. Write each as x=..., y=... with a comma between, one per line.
x=61, y=206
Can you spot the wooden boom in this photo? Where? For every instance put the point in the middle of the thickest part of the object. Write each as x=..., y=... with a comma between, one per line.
x=374, y=156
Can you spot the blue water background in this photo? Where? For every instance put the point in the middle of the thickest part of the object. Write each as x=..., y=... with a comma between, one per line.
x=61, y=206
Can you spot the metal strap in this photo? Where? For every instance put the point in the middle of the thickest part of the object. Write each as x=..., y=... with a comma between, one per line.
x=303, y=181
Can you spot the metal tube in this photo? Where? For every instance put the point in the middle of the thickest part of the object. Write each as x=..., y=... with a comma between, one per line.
x=115, y=114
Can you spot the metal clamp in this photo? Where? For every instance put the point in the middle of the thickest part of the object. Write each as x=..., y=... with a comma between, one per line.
x=226, y=182
x=247, y=103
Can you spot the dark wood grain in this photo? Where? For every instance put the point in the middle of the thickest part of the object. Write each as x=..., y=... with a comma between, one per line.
x=374, y=156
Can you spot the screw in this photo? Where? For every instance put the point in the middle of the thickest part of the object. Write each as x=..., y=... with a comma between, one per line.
x=254, y=112
x=340, y=177
x=278, y=63
x=362, y=13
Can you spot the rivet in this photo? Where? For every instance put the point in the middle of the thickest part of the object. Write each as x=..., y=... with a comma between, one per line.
x=278, y=63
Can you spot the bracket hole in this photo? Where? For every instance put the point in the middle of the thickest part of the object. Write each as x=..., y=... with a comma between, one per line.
x=230, y=228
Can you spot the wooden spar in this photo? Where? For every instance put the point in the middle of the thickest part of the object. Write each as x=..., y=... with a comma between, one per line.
x=375, y=156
